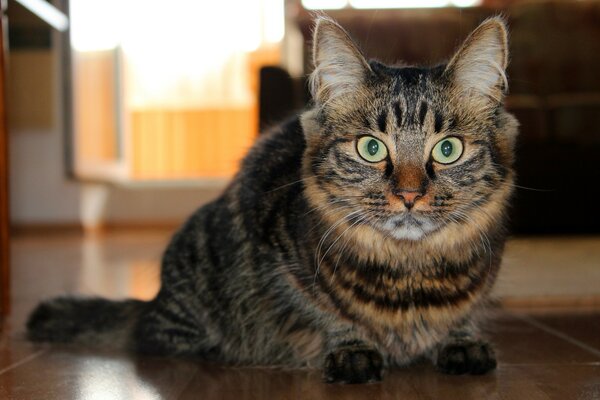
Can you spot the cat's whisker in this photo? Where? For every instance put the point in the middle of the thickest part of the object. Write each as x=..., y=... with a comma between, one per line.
x=324, y=206
x=322, y=220
x=324, y=237
x=359, y=220
x=339, y=257
x=349, y=216
x=366, y=217
x=516, y=186
x=483, y=232
x=532, y=189
x=330, y=209
x=345, y=199
x=485, y=242
x=288, y=184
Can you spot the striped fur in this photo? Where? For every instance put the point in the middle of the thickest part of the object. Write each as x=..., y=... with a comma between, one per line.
x=311, y=258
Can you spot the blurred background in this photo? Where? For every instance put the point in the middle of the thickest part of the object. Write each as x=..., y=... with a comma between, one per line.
x=131, y=113
x=118, y=118
x=135, y=112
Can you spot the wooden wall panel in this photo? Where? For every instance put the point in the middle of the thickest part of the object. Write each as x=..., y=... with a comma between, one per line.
x=95, y=106
x=190, y=143
x=161, y=142
x=31, y=90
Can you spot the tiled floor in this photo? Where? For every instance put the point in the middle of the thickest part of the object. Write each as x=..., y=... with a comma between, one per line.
x=543, y=354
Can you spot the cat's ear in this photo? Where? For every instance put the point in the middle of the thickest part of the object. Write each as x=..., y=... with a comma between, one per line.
x=339, y=65
x=478, y=69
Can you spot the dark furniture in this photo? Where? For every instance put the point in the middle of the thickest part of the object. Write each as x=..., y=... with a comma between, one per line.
x=554, y=77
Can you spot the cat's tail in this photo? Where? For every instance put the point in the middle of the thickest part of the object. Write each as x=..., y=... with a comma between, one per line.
x=91, y=322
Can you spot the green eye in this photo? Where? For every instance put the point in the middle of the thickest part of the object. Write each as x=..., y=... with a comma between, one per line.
x=447, y=150
x=371, y=149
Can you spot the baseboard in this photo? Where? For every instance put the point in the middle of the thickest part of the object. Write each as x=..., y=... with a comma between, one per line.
x=40, y=229
x=165, y=225
x=551, y=302
x=79, y=229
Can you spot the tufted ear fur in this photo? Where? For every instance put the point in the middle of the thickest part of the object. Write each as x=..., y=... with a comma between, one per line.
x=478, y=69
x=340, y=68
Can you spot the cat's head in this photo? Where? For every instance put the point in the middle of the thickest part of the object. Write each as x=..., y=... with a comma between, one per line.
x=409, y=151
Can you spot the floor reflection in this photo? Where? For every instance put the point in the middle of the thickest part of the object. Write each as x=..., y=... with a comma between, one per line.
x=122, y=275
x=102, y=378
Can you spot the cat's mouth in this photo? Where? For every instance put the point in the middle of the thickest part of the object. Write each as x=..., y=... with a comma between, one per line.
x=407, y=219
x=409, y=226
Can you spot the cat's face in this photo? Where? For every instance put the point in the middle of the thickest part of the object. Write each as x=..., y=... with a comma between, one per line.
x=408, y=150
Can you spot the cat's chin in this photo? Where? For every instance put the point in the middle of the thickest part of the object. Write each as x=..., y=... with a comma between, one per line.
x=408, y=233
x=409, y=227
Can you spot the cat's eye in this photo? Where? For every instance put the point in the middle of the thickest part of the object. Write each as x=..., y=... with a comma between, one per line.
x=371, y=149
x=447, y=150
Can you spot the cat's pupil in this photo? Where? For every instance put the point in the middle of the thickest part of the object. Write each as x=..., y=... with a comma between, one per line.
x=446, y=148
x=372, y=147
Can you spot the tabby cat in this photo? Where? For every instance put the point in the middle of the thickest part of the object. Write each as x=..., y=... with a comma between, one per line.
x=364, y=234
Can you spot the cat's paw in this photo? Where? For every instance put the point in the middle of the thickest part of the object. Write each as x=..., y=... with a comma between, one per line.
x=466, y=358
x=353, y=364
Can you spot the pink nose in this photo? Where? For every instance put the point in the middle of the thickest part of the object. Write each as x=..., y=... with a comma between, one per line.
x=408, y=197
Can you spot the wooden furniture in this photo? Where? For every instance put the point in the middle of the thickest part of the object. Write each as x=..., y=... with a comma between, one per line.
x=4, y=216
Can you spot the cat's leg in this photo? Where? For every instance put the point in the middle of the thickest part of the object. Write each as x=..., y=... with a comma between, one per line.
x=465, y=352
x=350, y=359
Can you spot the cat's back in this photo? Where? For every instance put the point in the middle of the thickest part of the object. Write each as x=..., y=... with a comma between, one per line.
x=275, y=158
x=266, y=188
x=246, y=232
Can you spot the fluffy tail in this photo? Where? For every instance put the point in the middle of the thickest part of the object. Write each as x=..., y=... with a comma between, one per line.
x=91, y=322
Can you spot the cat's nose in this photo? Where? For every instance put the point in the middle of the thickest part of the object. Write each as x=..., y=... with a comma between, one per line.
x=408, y=196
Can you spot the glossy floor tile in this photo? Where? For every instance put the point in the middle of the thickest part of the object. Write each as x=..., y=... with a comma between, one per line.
x=543, y=354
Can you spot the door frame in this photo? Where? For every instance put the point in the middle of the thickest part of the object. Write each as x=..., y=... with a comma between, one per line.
x=4, y=196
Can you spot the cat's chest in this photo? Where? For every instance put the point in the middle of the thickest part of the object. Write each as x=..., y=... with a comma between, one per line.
x=406, y=312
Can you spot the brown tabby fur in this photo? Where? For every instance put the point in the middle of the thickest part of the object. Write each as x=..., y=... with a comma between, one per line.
x=314, y=255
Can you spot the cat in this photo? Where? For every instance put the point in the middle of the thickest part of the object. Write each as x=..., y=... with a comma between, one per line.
x=364, y=234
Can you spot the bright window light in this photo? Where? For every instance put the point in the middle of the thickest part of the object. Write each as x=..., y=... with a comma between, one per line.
x=182, y=60
x=47, y=12
x=324, y=4
x=95, y=25
x=398, y=3
x=466, y=3
x=372, y=4
x=106, y=24
x=274, y=21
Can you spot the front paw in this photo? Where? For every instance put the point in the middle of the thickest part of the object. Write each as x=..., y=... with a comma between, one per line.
x=353, y=364
x=466, y=358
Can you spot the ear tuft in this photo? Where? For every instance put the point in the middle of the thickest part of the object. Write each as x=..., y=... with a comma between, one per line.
x=339, y=65
x=479, y=67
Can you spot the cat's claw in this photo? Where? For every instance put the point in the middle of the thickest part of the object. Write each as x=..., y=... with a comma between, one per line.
x=353, y=364
x=474, y=358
